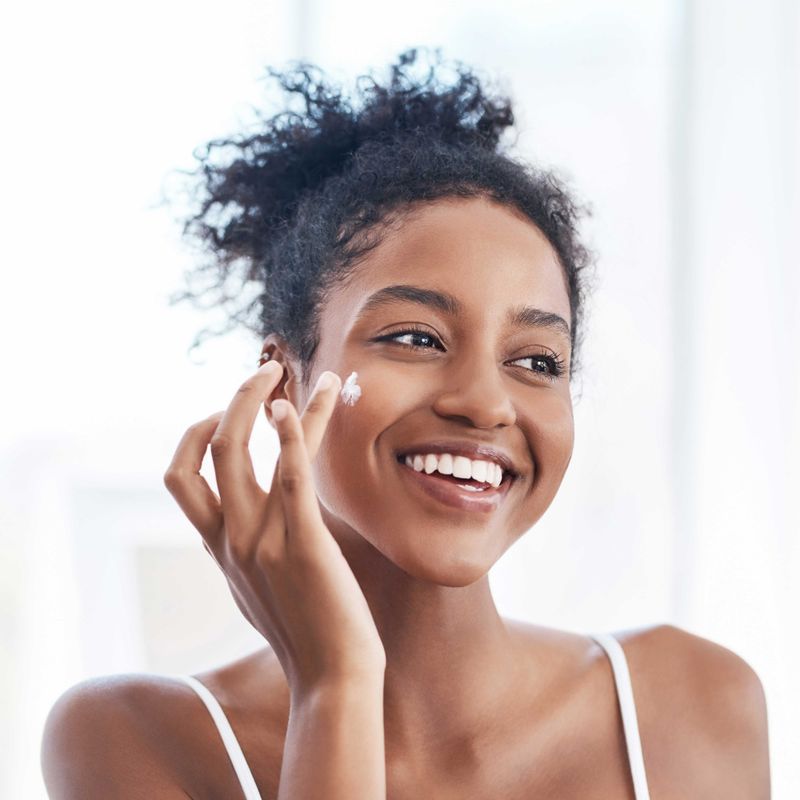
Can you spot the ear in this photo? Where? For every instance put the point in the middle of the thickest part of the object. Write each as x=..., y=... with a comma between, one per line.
x=288, y=386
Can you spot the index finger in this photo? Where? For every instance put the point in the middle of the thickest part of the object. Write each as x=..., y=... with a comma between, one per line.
x=236, y=479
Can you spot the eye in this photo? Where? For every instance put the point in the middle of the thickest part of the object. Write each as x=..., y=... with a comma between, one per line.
x=553, y=365
x=414, y=334
x=550, y=367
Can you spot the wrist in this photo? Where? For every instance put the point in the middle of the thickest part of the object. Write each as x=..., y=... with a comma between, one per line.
x=339, y=687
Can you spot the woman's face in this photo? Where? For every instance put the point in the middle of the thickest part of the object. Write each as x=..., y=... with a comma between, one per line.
x=476, y=377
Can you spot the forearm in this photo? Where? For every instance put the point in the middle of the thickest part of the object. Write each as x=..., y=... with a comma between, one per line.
x=335, y=743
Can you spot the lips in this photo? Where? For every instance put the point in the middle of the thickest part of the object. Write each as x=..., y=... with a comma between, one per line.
x=447, y=491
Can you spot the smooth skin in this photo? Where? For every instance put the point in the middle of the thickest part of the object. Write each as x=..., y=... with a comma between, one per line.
x=374, y=598
x=292, y=583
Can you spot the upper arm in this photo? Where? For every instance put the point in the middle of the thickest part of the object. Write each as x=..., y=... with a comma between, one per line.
x=736, y=730
x=711, y=708
x=93, y=746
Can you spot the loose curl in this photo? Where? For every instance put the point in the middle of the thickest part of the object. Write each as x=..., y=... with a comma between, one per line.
x=293, y=207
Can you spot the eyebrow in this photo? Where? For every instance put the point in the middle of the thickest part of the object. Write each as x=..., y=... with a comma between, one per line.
x=521, y=316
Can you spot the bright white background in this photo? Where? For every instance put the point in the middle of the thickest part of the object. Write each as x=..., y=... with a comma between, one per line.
x=680, y=126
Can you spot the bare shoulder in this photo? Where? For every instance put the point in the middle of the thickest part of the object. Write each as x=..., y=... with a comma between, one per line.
x=108, y=737
x=702, y=715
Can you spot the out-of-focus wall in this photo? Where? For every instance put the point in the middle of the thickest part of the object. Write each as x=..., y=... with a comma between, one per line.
x=678, y=124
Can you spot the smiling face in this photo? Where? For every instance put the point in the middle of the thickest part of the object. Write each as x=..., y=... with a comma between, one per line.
x=476, y=376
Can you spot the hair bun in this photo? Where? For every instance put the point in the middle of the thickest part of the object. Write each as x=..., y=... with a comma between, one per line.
x=293, y=153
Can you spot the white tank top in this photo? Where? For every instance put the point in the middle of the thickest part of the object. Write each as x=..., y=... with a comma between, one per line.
x=622, y=680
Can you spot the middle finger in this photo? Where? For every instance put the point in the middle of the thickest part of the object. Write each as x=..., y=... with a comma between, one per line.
x=314, y=421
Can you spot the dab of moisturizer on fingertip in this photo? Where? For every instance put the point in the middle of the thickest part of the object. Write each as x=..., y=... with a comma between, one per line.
x=351, y=391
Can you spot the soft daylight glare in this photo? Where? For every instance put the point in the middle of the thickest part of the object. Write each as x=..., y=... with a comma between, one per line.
x=677, y=121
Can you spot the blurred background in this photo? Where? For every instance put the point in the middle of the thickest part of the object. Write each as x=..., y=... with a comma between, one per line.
x=677, y=122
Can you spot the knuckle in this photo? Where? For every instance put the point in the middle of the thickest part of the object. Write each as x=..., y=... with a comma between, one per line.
x=268, y=555
x=291, y=482
x=174, y=479
x=246, y=387
x=220, y=444
x=287, y=436
x=316, y=404
x=238, y=549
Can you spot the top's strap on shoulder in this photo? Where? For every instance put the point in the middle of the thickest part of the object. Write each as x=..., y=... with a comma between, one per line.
x=229, y=739
x=630, y=723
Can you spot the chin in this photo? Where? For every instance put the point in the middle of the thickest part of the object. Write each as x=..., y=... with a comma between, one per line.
x=440, y=552
x=443, y=561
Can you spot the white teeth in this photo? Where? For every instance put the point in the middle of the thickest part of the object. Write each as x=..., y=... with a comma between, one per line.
x=457, y=466
x=446, y=464
x=497, y=477
x=462, y=467
x=480, y=469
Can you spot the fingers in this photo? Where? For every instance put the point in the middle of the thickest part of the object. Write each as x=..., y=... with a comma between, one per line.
x=228, y=434
x=185, y=483
x=238, y=487
x=298, y=498
x=318, y=411
x=314, y=421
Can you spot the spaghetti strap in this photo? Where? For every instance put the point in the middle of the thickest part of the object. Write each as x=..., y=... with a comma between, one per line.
x=622, y=681
x=630, y=724
x=232, y=747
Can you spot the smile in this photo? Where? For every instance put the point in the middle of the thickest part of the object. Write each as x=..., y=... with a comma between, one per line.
x=464, y=493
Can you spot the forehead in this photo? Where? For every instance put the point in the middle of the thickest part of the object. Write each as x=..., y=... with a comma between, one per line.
x=485, y=254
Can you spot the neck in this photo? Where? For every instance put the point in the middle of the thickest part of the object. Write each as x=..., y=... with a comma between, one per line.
x=449, y=653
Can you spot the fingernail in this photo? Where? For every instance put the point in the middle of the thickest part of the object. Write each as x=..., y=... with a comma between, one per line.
x=268, y=367
x=325, y=381
x=279, y=409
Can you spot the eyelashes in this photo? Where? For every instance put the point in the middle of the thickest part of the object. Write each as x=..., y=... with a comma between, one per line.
x=555, y=363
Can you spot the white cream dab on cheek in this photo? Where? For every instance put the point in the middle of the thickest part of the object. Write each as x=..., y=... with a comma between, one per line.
x=351, y=391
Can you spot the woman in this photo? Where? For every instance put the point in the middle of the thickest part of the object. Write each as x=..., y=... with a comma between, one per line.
x=395, y=240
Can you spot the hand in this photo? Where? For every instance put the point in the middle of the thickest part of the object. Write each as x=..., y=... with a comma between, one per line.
x=286, y=571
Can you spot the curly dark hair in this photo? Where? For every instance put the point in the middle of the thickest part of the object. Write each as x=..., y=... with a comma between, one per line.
x=292, y=207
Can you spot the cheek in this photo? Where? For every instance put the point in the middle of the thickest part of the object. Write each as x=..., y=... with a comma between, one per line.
x=550, y=432
x=352, y=447
x=555, y=433
x=355, y=457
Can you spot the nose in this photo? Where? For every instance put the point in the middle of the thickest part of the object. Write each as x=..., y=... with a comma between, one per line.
x=475, y=392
